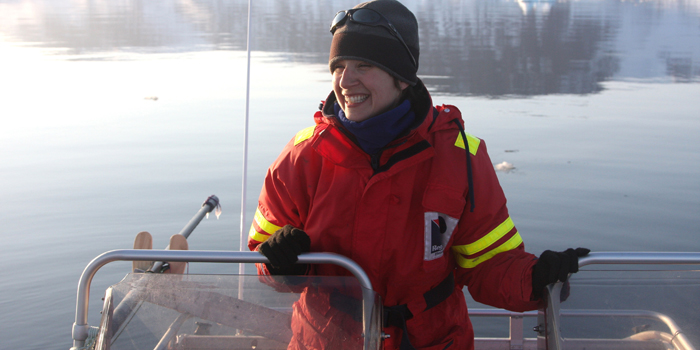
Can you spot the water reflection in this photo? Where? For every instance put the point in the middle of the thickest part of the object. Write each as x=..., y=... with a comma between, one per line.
x=498, y=51
x=474, y=47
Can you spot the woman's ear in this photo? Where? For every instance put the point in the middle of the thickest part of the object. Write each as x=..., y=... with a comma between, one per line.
x=400, y=84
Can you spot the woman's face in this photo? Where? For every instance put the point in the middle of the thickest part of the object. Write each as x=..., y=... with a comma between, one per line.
x=363, y=90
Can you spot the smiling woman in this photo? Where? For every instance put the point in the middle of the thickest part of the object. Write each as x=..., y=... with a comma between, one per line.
x=398, y=185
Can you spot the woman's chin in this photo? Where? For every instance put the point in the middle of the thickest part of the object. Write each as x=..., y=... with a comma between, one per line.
x=357, y=115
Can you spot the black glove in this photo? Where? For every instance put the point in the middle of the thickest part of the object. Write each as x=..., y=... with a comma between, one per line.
x=283, y=249
x=554, y=266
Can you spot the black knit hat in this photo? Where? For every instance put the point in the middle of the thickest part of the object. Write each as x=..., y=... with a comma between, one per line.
x=376, y=44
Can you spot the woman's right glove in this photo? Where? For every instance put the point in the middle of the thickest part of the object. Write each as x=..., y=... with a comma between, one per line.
x=283, y=249
x=554, y=266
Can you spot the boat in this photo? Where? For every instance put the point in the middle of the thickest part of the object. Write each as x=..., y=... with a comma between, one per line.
x=646, y=300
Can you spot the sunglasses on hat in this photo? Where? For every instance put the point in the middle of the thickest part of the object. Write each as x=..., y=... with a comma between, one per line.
x=368, y=17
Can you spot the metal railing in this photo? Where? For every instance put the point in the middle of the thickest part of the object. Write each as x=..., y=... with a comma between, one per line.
x=81, y=327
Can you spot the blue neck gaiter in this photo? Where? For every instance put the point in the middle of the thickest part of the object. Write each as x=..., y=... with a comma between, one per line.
x=374, y=133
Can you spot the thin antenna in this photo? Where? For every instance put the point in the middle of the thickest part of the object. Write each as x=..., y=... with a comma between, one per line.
x=243, y=245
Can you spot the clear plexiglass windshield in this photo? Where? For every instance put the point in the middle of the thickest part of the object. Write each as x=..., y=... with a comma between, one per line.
x=631, y=309
x=166, y=311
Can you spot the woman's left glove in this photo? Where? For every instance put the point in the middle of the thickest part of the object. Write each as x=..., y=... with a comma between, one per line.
x=283, y=249
x=554, y=266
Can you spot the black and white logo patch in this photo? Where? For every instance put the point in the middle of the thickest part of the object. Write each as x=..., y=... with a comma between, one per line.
x=438, y=230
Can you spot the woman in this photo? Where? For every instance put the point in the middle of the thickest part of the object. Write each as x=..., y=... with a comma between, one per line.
x=395, y=184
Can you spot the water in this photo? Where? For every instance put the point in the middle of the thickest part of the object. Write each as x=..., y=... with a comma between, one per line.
x=119, y=117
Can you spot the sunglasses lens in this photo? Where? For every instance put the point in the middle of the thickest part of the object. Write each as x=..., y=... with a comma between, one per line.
x=366, y=16
x=339, y=17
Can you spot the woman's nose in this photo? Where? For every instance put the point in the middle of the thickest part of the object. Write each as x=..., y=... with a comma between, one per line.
x=348, y=78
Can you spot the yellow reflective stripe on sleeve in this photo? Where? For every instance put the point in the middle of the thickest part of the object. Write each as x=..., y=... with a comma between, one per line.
x=486, y=241
x=255, y=235
x=304, y=135
x=265, y=225
x=471, y=139
x=510, y=244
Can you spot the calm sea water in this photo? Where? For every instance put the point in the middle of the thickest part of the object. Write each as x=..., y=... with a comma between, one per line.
x=118, y=117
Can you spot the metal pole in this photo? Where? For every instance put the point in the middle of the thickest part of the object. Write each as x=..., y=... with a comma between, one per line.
x=209, y=204
x=244, y=180
x=244, y=175
x=666, y=258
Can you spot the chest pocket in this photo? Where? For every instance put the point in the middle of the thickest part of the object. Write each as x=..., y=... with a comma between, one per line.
x=442, y=209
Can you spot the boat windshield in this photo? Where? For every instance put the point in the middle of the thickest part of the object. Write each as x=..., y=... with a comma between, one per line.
x=628, y=309
x=167, y=311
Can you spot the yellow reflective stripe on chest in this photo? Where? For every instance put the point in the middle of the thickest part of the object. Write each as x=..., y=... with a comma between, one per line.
x=471, y=139
x=304, y=135
x=485, y=242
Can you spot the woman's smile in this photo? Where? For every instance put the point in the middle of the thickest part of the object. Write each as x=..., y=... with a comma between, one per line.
x=356, y=99
x=364, y=90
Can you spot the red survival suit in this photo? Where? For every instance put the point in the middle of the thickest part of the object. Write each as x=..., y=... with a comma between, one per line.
x=405, y=218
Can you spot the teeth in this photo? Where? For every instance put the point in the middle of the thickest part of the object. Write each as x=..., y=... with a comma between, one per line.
x=356, y=98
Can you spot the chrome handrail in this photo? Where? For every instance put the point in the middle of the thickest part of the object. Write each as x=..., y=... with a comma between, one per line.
x=643, y=258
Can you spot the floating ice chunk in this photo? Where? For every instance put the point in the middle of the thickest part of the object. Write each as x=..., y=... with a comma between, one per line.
x=504, y=166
